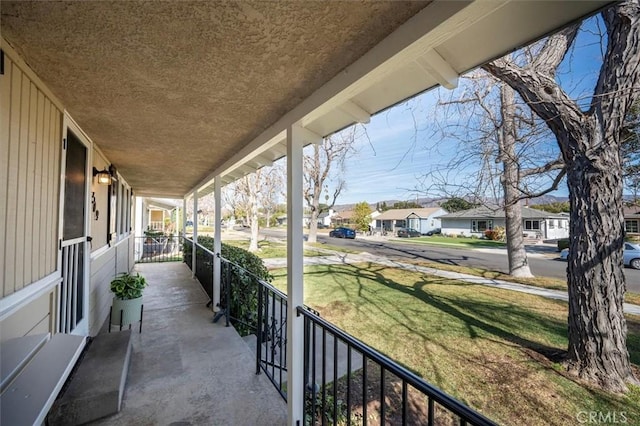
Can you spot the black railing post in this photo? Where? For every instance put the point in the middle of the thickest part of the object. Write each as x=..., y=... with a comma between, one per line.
x=259, y=329
x=228, y=295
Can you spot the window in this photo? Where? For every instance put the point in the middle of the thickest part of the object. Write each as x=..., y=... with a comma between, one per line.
x=632, y=226
x=532, y=225
x=552, y=224
x=560, y=224
x=119, y=211
x=481, y=225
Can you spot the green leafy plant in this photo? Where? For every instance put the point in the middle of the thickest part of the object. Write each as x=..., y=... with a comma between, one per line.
x=244, y=286
x=126, y=286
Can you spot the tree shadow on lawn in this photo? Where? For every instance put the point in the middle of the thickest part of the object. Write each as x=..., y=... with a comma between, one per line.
x=493, y=318
x=502, y=319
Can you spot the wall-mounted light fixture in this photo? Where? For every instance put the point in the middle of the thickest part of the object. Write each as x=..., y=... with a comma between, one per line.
x=104, y=177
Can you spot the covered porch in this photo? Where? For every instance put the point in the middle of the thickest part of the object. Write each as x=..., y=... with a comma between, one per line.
x=176, y=100
x=186, y=370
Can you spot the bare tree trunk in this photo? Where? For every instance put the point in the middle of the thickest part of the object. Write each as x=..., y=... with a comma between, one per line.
x=597, y=327
x=253, y=215
x=313, y=227
x=518, y=264
x=268, y=224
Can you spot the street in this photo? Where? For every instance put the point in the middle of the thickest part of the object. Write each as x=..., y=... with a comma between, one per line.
x=549, y=266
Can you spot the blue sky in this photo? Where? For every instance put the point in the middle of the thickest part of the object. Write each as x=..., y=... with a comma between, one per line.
x=394, y=155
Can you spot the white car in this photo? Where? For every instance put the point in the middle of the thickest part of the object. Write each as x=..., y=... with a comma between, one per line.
x=631, y=255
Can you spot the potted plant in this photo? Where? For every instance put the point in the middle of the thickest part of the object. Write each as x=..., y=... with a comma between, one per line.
x=127, y=300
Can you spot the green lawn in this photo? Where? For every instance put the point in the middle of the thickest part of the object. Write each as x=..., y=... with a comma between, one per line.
x=495, y=350
x=269, y=249
x=454, y=241
x=544, y=282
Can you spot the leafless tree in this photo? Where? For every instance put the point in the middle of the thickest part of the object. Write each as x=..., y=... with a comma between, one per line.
x=323, y=167
x=505, y=149
x=590, y=143
x=249, y=191
x=273, y=187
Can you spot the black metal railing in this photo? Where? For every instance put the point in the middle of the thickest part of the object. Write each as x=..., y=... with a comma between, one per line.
x=239, y=297
x=204, y=265
x=348, y=382
x=161, y=248
x=271, y=354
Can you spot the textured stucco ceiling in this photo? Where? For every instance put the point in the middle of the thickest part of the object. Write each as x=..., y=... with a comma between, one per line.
x=170, y=90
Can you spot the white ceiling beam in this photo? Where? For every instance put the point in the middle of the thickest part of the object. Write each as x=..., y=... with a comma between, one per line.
x=278, y=151
x=356, y=112
x=435, y=65
x=261, y=161
x=246, y=169
x=309, y=136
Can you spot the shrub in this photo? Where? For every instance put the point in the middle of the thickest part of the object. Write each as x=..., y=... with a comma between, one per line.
x=496, y=234
x=563, y=243
x=244, y=287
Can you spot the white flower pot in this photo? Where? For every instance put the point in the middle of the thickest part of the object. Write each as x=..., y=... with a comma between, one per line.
x=131, y=311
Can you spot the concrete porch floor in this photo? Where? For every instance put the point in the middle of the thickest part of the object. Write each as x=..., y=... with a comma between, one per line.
x=184, y=369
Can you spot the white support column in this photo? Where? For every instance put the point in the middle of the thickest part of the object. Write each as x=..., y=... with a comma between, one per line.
x=184, y=217
x=217, y=242
x=295, y=270
x=195, y=233
x=139, y=227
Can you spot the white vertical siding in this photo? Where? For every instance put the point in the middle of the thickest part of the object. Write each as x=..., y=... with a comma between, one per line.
x=30, y=144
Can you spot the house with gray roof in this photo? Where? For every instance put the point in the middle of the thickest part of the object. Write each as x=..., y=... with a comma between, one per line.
x=422, y=220
x=535, y=223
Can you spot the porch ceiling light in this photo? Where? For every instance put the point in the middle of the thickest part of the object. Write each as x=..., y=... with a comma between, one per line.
x=104, y=177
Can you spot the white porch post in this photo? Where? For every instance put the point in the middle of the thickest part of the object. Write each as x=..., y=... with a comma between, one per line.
x=139, y=227
x=184, y=217
x=295, y=291
x=195, y=233
x=217, y=242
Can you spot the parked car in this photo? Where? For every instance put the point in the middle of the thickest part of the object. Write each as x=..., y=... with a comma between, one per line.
x=631, y=255
x=343, y=233
x=434, y=232
x=407, y=233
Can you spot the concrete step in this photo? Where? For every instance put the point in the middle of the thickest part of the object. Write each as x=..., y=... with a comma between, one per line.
x=96, y=388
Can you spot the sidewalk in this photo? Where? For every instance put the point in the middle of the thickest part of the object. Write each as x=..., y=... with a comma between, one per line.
x=338, y=258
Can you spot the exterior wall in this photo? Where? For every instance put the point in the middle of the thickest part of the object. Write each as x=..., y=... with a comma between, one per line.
x=31, y=131
x=36, y=317
x=560, y=229
x=463, y=227
x=99, y=224
x=426, y=224
x=30, y=146
x=104, y=266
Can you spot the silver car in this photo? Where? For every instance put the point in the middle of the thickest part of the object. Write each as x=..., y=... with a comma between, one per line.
x=631, y=255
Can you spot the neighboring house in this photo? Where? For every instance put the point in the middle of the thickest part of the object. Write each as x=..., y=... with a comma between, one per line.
x=158, y=214
x=324, y=218
x=343, y=218
x=346, y=218
x=632, y=220
x=535, y=223
x=422, y=220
